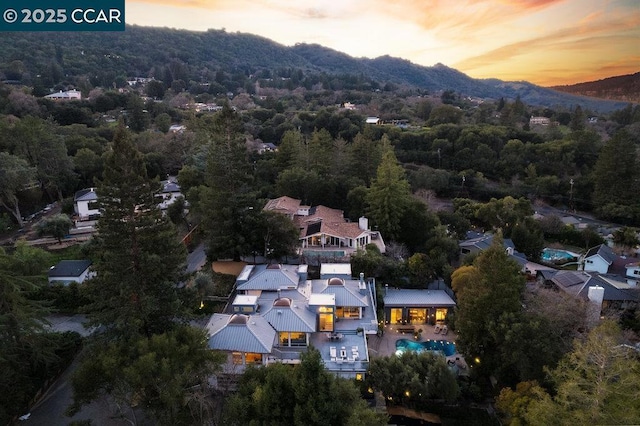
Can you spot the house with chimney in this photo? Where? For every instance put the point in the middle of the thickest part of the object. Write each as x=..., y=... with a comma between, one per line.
x=325, y=230
x=85, y=204
x=277, y=314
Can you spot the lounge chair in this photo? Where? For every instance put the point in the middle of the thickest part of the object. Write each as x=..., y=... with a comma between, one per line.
x=437, y=329
x=445, y=330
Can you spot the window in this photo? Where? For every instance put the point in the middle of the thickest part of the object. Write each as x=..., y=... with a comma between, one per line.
x=283, y=338
x=417, y=315
x=325, y=322
x=396, y=316
x=93, y=205
x=236, y=358
x=441, y=314
x=253, y=358
x=347, y=312
x=636, y=272
x=298, y=339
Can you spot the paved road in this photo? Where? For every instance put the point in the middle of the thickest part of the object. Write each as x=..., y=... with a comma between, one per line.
x=50, y=409
x=196, y=259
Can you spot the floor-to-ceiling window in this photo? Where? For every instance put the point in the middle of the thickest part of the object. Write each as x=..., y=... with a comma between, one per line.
x=441, y=314
x=396, y=316
x=417, y=315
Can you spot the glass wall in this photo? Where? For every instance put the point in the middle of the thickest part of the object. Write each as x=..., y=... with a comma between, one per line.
x=417, y=316
x=396, y=316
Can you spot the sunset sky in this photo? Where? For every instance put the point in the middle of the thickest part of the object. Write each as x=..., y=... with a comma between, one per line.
x=546, y=42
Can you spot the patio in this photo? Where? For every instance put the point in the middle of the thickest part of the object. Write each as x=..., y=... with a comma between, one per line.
x=386, y=345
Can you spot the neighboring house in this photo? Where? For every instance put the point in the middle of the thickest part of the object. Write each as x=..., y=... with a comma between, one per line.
x=332, y=315
x=409, y=306
x=476, y=243
x=267, y=147
x=68, y=271
x=177, y=128
x=632, y=272
x=324, y=228
x=169, y=193
x=373, y=120
x=543, y=121
x=69, y=95
x=618, y=293
x=86, y=204
x=598, y=259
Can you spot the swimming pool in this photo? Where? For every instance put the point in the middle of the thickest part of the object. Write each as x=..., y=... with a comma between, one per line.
x=324, y=253
x=439, y=346
x=554, y=255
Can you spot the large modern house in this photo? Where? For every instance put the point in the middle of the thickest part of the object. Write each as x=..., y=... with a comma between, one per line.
x=325, y=230
x=278, y=314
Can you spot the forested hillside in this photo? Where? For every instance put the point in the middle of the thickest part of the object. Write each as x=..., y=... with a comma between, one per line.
x=169, y=54
x=621, y=88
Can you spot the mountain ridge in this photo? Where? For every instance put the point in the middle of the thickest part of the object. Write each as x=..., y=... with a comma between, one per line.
x=190, y=55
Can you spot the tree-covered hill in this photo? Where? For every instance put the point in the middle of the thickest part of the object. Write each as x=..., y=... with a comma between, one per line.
x=105, y=59
x=621, y=88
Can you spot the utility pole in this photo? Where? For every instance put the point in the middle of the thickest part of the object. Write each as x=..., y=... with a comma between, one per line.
x=571, y=195
x=438, y=157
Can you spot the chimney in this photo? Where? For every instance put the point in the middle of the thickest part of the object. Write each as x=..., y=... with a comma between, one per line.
x=596, y=296
x=386, y=287
x=361, y=285
x=363, y=223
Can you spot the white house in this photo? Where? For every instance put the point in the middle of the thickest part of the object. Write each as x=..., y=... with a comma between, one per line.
x=68, y=271
x=169, y=193
x=86, y=204
x=633, y=270
x=69, y=95
x=598, y=259
x=373, y=120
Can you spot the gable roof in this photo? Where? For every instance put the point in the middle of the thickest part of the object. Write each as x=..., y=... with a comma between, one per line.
x=271, y=278
x=294, y=318
x=615, y=288
x=346, y=295
x=169, y=186
x=87, y=194
x=604, y=251
x=242, y=333
x=69, y=268
x=284, y=204
x=483, y=242
x=411, y=297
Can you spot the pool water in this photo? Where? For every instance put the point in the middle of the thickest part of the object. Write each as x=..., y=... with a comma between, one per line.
x=443, y=346
x=553, y=255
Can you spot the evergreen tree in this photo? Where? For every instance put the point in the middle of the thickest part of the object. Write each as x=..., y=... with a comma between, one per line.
x=617, y=177
x=388, y=196
x=139, y=260
x=229, y=205
x=489, y=300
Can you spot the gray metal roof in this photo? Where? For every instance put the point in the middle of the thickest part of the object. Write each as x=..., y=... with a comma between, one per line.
x=270, y=278
x=408, y=297
x=241, y=333
x=88, y=194
x=296, y=318
x=69, y=268
x=347, y=295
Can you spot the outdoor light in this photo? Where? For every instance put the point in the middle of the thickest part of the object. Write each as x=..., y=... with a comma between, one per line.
x=477, y=360
x=407, y=393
